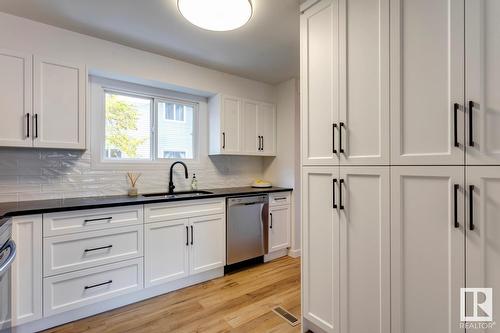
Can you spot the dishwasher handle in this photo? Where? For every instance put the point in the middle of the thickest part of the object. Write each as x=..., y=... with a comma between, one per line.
x=265, y=227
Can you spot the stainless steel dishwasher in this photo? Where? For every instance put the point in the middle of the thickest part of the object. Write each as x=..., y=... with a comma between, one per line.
x=247, y=231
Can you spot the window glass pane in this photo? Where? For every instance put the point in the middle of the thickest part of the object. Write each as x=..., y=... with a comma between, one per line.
x=128, y=127
x=175, y=138
x=168, y=110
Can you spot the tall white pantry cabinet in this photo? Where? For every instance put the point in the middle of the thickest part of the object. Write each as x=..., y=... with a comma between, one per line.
x=400, y=154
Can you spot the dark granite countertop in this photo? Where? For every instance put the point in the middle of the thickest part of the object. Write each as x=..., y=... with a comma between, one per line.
x=9, y=209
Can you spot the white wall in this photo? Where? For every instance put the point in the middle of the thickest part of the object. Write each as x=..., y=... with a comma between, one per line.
x=33, y=174
x=284, y=169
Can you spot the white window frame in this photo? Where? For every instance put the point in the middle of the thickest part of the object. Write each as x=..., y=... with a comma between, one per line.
x=98, y=123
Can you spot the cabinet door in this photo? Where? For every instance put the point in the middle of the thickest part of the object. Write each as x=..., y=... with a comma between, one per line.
x=59, y=105
x=166, y=252
x=250, y=141
x=483, y=239
x=208, y=243
x=319, y=82
x=279, y=228
x=320, y=238
x=27, y=269
x=364, y=81
x=365, y=250
x=482, y=54
x=16, y=88
x=266, y=125
x=427, y=79
x=231, y=122
x=427, y=249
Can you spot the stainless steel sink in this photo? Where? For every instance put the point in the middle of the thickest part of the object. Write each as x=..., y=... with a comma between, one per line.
x=185, y=194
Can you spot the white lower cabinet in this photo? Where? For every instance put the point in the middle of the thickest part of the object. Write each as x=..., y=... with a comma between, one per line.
x=27, y=269
x=208, y=243
x=73, y=290
x=320, y=250
x=427, y=248
x=183, y=239
x=167, y=251
x=279, y=228
x=483, y=233
x=364, y=241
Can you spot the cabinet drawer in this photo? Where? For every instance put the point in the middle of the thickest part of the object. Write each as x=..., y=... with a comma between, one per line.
x=89, y=249
x=73, y=290
x=183, y=209
x=280, y=198
x=92, y=219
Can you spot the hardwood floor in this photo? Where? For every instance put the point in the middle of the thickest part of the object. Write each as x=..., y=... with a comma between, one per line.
x=238, y=302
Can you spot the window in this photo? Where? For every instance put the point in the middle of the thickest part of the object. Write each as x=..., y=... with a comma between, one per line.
x=142, y=128
x=174, y=112
x=174, y=154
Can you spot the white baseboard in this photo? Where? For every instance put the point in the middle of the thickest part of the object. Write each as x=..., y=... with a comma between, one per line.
x=275, y=255
x=294, y=253
x=96, y=308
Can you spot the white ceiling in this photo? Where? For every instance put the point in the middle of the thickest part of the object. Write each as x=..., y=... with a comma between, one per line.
x=266, y=49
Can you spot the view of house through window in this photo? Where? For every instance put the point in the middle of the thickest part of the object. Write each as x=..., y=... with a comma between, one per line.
x=145, y=128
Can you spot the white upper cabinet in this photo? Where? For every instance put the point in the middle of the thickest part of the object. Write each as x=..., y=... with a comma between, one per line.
x=483, y=233
x=364, y=82
x=16, y=100
x=427, y=248
x=59, y=108
x=427, y=78
x=482, y=82
x=266, y=128
x=239, y=126
x=319, y=83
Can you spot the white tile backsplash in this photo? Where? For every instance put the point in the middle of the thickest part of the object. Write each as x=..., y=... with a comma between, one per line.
x=34, y=174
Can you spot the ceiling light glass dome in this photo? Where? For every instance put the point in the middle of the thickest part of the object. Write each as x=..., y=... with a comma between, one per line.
x=216, y=15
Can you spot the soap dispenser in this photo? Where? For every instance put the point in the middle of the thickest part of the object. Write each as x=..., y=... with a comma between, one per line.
x=194, y=183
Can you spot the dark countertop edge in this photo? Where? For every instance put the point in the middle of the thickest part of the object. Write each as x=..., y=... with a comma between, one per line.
x=116, y=201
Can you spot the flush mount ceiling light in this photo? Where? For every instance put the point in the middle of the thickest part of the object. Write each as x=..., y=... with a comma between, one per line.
x=216, y=15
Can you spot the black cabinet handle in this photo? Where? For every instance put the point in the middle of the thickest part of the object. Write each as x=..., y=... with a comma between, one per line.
x=471, y=125
x=223, y=140
x=341, y=204
x=262, y=142
x=98, y=248
x=341, y=150
x=98, y=219
x=98, y=285
x=27, y=125
x=271, y=215
x=455, y=204
x=334, y=126
x=471, y=207
x=455, y=122
x=192, y=235
x=333, y=193
x=258, y=148
x=187, y=235
x=35, y=118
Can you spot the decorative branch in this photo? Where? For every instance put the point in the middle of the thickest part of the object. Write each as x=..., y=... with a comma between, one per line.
x=133, y=177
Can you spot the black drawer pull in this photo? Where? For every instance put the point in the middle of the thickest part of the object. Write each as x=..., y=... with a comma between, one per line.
x=98, y=219
x=341, y=150
x=455, y=122
x=98, y=285
x=98, y=248
x=471, y=207
x=471, y=125
x=334, y=126
x=341, y=204
x=281, y=198
x=455, y=204
x=333, y=193
x=271, y=215
x=192, y=235
x=27, y=125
